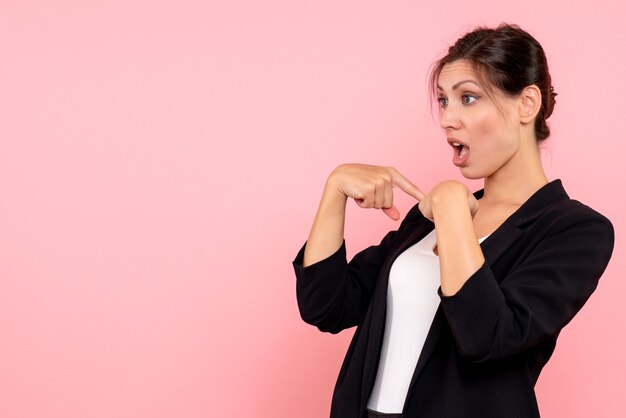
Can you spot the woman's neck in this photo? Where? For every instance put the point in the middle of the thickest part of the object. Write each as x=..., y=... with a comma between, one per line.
x=516, y=182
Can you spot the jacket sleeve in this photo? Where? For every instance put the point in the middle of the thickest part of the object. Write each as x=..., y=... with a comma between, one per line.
x=538, y=297
x=333, y=294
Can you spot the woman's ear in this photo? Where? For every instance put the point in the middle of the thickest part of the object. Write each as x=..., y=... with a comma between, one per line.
x=530, y=103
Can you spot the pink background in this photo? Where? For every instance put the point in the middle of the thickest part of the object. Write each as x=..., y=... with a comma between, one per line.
x=161, y=163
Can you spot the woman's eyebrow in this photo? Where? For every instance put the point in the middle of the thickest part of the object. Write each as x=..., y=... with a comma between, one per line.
x=458, y=84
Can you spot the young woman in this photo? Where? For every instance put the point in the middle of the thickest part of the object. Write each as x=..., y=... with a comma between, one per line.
x=460, y=308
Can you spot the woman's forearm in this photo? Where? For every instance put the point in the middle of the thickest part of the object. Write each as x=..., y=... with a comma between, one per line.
x=326, y=234
x=460, y=254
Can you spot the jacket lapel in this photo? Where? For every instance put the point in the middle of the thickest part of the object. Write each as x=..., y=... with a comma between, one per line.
x=419, y=230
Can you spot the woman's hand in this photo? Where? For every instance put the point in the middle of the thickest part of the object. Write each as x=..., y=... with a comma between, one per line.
x=446, y=194
x=372, y=186
x=451, y=206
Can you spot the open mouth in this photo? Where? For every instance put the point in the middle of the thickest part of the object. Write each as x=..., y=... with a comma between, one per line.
x=461, y=153
x=459, y=149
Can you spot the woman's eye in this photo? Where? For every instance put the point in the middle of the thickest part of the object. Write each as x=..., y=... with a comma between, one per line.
x=467, y=96
x=441, y=101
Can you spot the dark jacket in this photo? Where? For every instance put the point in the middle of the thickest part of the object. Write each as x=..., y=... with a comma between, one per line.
x=488, y=342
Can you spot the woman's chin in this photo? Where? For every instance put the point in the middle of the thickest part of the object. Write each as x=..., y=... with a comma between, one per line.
x=470, y=174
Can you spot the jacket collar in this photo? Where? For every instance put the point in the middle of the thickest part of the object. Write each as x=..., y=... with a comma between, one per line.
x=536, y=204
x=513, y=227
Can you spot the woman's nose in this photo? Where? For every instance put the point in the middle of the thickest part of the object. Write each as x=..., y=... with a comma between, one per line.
x=449, y=117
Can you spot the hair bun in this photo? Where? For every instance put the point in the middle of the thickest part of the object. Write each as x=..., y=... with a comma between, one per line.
x=550, y=102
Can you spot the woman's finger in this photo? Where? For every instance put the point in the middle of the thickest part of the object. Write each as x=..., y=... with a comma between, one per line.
x=405, y=185
x=388, y=197
x=365, y=196
x=379, y=197
x=392, y=212
x=424, y=207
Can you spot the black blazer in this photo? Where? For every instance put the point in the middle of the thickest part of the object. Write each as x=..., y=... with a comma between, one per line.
x=488, y=342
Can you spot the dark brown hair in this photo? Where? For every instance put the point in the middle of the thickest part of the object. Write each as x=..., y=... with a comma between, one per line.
x=507, y=58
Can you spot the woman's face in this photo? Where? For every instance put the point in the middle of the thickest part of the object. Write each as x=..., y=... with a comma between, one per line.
x=484, y=139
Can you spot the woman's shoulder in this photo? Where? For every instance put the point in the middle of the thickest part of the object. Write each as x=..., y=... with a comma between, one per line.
x=574, y=211
x=582, y=213
x=553, y=204
x=580, y=223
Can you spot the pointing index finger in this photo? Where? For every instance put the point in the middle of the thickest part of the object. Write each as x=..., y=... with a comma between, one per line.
x=406, y=186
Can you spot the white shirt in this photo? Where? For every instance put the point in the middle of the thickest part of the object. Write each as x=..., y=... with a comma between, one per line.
x=412, y=301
